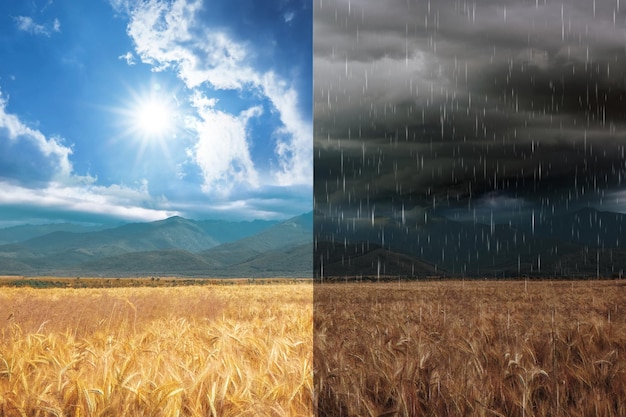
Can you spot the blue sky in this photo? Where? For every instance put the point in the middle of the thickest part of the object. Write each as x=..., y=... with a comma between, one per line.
x=126, y=110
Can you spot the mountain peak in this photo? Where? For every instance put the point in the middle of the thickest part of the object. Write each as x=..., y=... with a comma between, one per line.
x=175, y=219
x=54, y=251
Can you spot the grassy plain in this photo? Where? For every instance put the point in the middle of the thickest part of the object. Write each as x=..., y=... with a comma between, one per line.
x=473, y=348
x=116, y=282
x=237, y=350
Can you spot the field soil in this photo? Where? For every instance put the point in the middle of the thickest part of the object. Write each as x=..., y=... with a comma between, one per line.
x=470, y=348
x=232, y=350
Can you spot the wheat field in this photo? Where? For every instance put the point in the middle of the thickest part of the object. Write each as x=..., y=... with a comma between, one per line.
x=476, y=348
x=243, y=350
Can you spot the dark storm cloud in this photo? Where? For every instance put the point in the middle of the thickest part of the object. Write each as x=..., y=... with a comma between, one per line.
x=420, y=103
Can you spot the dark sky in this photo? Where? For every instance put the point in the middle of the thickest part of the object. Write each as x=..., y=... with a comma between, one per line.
x=469, y=106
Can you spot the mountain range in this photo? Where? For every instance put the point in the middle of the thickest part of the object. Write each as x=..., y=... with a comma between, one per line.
x=174, y=246
x=582, y=243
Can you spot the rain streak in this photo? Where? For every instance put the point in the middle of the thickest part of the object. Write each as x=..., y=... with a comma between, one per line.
x=466, y=138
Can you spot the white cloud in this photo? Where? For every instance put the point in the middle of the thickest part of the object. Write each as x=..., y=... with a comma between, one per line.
x=128, y=57
x=61, y=189
x=220, y=62
x=113, y=201
x=167, y=36
x=289, y=16
x=244, y=204
x=295, y=142
x=250, y=208
x=120, y=6
x=222, y=150
x=27, y=24
x=51, y=148
x=45, y=6
x=158, y=29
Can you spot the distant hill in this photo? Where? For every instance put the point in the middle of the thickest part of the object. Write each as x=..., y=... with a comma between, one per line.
x=232, y=231
x=334, y=261
x=591, y=262
x=175, y=246
x=557, y=245
x=286, y=262
x=174, y=232
x=17, y=234
x=288, y=234
x=163, y=262
x=587, y=227
x=14, y=267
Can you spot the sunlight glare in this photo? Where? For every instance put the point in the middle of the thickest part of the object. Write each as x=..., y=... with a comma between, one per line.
x=153, y=117
x=150, y=120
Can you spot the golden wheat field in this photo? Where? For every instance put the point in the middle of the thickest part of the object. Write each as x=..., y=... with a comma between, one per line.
x=243, y=350
x=476, y=348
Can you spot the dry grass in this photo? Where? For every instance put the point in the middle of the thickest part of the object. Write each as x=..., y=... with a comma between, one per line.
x=471, y=349
x=210, y=351
x=153, y=281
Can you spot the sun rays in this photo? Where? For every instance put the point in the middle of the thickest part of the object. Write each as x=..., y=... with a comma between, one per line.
x=153, y=117
x=150, y=120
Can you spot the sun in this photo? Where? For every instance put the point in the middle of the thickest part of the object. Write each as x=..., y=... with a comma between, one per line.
x=150, y=120
x=153, y=117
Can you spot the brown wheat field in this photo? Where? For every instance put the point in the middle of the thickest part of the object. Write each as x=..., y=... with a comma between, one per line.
x=243, y=350
x=461, y=348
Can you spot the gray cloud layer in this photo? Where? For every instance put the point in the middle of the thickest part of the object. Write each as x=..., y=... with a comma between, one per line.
x=446, y=102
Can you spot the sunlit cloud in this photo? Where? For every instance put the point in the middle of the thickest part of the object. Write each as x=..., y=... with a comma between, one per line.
x=289, y=16
x=115, y=201
x=128, y=57
x=55, y=185
x=13, y=132
x=157, y=28
x=248, y=208
x=222, y=150
x=294, y=145
x=265, y=202
x=206, y=113
x=28, y=25
x=167, y=36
